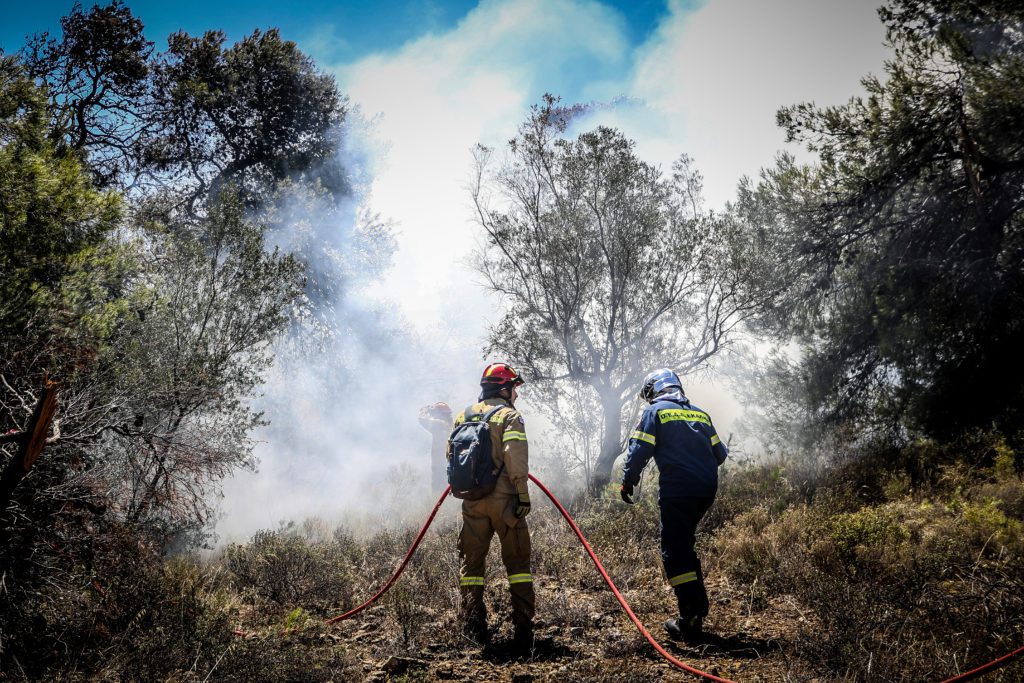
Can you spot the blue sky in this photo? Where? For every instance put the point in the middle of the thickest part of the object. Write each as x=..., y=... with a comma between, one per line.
x=365, y=26
x=345, y=32
x=357, y=28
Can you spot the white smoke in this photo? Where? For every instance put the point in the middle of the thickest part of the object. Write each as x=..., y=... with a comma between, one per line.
x=380, y=342
x=342, y=398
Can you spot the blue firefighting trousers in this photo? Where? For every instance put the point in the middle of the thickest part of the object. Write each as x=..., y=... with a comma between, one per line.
x=679, y=519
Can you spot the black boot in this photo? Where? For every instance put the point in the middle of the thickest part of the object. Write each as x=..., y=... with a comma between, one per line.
x=687, y=629
x=522, y=638
x=476, y=630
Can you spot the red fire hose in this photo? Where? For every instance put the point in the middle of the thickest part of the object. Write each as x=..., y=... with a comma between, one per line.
x=618, y=596
x=985, y=668
x=967, y=676
x=401, y=567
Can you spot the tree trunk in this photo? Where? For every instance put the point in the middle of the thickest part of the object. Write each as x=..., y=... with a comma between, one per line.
x=611, y=443
x=32, y=441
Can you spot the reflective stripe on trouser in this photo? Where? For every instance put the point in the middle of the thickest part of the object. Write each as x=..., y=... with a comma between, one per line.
x=482, y=519
x=679, y=519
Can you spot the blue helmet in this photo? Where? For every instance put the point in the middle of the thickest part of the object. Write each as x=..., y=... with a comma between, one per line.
x=658, y=382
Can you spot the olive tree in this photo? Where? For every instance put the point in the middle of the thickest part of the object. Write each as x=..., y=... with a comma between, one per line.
x=608, y=267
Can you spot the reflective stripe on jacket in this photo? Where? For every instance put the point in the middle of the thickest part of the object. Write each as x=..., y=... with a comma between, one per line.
x=508, y=444
x=685, y=447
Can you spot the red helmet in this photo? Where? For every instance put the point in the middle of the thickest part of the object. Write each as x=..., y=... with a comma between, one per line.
x=500, y=375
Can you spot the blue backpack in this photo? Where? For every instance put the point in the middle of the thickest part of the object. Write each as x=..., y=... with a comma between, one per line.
x=471, y=471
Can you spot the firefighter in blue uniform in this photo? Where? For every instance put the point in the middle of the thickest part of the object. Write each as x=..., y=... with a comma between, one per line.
x=688, y=451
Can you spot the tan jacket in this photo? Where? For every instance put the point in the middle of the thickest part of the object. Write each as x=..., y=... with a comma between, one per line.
x=508, y=444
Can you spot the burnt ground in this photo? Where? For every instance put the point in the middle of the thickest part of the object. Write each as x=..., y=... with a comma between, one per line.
x=582, y=634
x=605, y=646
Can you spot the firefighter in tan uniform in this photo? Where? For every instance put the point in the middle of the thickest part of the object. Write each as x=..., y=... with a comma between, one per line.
x=502, y=512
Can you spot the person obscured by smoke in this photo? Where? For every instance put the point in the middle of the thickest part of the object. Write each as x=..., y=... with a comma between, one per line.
x=437, y=419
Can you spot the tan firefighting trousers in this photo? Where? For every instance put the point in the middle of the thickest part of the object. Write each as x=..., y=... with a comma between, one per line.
x=482, y=519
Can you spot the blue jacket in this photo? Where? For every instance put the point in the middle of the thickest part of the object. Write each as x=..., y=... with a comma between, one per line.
x=684, y=445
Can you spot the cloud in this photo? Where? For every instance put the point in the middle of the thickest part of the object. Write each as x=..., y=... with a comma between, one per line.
x=441, y=94
x=709, y=80
x=712, y=78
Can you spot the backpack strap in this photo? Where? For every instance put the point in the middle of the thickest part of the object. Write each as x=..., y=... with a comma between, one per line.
x=490, y=413
x=487, y=418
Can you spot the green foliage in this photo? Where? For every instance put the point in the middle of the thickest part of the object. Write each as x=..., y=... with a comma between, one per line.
x=191, y=119
x=158, y=341
x=901, y=247
x=850, y=534
x=284, y=568
x=942, y=561
x=297, y=618
x=51, y=218
x=1005, y=465
x=152, y=618
x=989, y=527
x=157, y=316
x=747, y=486
x=96, y=77
x=1005, y=487
x=253, y=114
x=893, y=591
x=158, y=327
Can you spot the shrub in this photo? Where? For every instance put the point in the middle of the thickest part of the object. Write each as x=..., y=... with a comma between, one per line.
x=743, y=487
x=988, y=527
x=284, y=568
x=113, y=610
x=871, y=537
x=896, y=590
x=1004, y=487
x=162, y=621
x=755, y=548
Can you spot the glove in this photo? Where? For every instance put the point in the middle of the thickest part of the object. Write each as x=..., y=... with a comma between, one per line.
x=626, y=493
x=522, y=505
